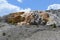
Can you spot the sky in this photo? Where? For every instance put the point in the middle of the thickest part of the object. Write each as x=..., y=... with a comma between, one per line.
x=9, y=6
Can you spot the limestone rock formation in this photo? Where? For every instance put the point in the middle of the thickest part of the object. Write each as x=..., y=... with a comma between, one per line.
x=36, y=29
x=47, y=17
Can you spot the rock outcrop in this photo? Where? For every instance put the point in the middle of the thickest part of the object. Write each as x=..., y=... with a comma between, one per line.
x=48, y=17
x=34, y=30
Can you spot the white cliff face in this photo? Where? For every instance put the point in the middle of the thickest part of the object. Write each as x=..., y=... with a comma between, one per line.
x=26, y=14
x=51, y=21
x=55, y=18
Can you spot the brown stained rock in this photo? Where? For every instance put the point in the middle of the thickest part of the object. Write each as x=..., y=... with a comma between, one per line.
x=26, y=21
x=50, y=21
x=15, y=17
x=44, y=15
x=25, y=18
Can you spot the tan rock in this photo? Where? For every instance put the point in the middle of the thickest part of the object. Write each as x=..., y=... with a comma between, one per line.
x=45, y=16
x=15, y=17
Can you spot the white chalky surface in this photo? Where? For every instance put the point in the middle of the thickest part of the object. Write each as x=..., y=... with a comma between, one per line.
x=45, y=35
x=29, y=32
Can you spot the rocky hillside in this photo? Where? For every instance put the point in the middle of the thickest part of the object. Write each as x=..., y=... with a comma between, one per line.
x=34, y=31
x=18, y=17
